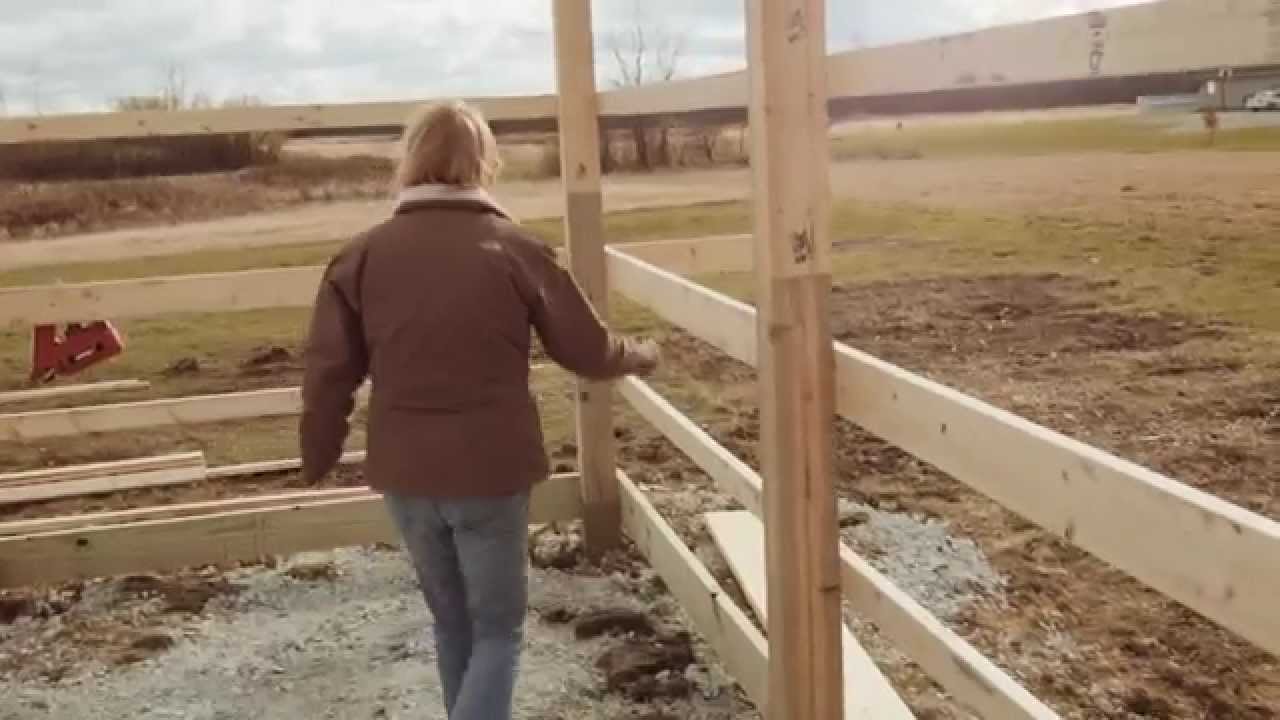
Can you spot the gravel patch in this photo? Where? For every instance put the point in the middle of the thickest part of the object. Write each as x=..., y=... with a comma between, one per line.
x=943, y=573
x=356, y=645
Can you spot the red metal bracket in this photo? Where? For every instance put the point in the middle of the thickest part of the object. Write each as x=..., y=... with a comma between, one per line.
x=79, y=347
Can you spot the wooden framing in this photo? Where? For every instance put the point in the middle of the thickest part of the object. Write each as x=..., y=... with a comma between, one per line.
x=101, y=478
x=60, y=391
x=40, y=526
x=868, y=694
x=584, y=238
x=217, y=538
x=294, y=287
x=274, y=466
x=155, y=296
x=724, y=626
x=973, y=680
x=786, y=46
x=66, y=422
x=1227, y=563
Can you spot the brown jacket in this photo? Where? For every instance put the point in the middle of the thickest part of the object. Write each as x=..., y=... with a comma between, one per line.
x=435, y=307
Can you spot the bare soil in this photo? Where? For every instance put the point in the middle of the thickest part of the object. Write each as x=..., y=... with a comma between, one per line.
x=1166, y=391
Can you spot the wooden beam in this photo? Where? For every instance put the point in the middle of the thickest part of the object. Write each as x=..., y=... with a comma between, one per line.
x=60, y=391
x=722, y=321
x=265, y=467
x=1211, y=555
x=973, y=680
x=1227, y=560
x=277, y=118
x=295, y=287
x=102, y=469
x=101, y=478
x=733, y=476
x=39, y=526
x=181, y=411
x=155, y=296
x=868, y=694
x=247, y=535
x=584, y=238
x=737, y=643
x=786, y=41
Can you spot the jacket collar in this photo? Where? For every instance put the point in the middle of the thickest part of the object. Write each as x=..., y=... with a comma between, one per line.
x=423, y=196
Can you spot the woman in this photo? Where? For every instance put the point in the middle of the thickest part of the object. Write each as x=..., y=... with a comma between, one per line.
x=436, y=305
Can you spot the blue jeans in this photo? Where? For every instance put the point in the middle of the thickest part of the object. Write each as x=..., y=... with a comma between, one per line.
x=471, y=558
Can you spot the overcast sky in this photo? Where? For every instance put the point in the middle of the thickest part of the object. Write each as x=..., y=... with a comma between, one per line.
x=75, y=55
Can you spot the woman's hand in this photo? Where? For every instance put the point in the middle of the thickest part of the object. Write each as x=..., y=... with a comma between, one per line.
x=644, y=358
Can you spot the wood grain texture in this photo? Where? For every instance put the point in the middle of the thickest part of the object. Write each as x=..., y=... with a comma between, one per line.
x=584, y=238
x=164, y=543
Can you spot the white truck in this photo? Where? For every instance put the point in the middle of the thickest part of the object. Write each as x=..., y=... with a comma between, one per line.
x=1264, y=100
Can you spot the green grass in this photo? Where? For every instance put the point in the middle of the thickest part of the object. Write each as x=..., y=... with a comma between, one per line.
x=1041, y=137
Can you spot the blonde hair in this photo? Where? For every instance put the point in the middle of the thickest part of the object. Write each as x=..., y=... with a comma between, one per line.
x=448, y=143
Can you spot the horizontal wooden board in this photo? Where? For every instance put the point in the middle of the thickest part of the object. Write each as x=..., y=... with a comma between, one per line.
x=296, y=287
x=163, y=512
x=15, y=397
x=974, y=681
x=181, y=411
x=738, y=645
x=246, y=535
x=867, y=692
x=1214, y=557
x=265, y=467
x=155, y=296
x=102, y=469
x=23, y=494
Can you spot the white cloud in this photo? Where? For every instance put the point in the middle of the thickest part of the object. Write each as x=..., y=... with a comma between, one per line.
x=68, y=55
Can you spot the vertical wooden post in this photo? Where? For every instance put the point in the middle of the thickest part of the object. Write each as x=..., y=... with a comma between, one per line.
x=789, y=161
x=584, y=233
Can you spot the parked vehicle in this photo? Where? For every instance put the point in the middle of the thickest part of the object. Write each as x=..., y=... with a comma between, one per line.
x=1264, y=100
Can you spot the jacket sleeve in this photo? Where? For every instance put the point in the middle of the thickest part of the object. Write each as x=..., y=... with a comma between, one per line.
x=573, y=334
x=336, y=365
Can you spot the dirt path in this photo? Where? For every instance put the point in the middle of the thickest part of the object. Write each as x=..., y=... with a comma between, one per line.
x=323, y=223
x=1216, y=191
x=355, y=645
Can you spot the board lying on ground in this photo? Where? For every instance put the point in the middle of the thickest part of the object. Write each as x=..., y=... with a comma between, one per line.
x=972, y=679
x=183, y=411
x=1214, y=557
x=47, y=393
x=868, y=694
x=165, y=512
x=295, y=287
x=737, y=642
x=100, y=478
x=223, y=537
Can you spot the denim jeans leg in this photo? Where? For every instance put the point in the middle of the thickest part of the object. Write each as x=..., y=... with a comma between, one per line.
x=431, y=544
x=491, y=536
